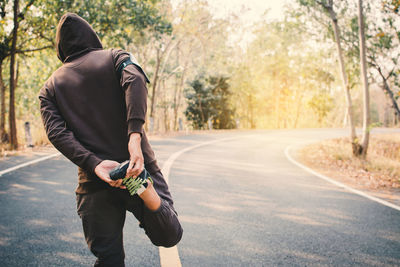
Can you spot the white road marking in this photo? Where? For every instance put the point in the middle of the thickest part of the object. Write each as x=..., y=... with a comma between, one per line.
x=169, y=257
x=332, y=181
x=28, y=163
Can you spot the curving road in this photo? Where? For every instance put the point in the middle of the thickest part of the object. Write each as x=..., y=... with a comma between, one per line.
x=241, y=203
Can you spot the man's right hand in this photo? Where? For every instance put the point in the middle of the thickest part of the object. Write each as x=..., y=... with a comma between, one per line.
x=102, y=171
x=136, y=164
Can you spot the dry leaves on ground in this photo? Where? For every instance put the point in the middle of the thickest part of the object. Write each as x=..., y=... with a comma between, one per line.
x=381, y=168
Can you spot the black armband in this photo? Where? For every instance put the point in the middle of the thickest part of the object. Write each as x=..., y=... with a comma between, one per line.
x=130, y=61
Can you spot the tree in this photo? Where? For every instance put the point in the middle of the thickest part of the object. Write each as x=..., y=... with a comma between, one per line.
x=9, y=47
x=34, y=27
x=321, y=104
x=279, y=74
x=11, y=120
x=363, y=147
x=198, y=99
x=208, y=99
x=328, y=6
x=223, y=115
x=383, y=54
x=197, y=44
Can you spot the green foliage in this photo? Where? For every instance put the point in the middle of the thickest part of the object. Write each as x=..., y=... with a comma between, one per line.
x=316, y=12
x=383, y=41
x=287, y=76
x=208, y=98
x=33, y=72
x=279, y=74
x=321, y=104
x=114, y=20
x=223, y=117
x=199, y=103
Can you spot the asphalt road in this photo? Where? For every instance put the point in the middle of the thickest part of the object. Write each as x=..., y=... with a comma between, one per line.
x=241, y=203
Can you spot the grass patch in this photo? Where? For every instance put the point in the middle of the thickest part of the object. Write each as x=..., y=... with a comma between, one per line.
x=381, y=168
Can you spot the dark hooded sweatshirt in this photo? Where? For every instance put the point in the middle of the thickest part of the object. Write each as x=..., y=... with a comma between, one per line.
x=87, y=109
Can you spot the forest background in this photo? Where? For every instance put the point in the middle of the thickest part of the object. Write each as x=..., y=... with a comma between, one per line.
x=212, y=72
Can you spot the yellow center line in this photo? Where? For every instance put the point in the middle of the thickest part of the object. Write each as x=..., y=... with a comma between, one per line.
x=169, y=257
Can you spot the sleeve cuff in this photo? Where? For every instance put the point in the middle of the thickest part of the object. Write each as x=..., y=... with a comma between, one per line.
x=135, y=126
x=92, y=162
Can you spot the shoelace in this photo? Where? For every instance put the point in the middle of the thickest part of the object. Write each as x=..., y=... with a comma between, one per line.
x=133, y=185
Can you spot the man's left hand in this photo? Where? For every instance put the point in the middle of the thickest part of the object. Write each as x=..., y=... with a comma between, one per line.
x=103, y=169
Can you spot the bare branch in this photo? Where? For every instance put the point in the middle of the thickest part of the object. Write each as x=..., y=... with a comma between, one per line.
x=34, y=49
x=390, y=73
x=19, y=51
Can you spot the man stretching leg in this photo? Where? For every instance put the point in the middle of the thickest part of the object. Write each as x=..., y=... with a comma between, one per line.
x=93, y=108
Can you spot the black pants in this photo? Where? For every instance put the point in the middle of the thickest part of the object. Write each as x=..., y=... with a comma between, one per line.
x=103, y=217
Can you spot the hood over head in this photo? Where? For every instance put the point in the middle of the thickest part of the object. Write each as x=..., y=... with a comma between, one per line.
x=75, y=36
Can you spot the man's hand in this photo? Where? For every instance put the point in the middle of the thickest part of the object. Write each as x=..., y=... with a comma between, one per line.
x=102, y=171
x=136, y=164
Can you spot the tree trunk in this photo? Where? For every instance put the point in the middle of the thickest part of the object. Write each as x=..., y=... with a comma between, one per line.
x=203, y=119
x=11, y=120
x=176, y=89
x=277, y=109
x=252, y=124
x=345, y=81
x=346, y=116
x=178, y=94
x=389, y=92
x=160, y=58
x=364, y=78
x=298, y=108
x=153, y=95
x=165, y=106
x=3, y=133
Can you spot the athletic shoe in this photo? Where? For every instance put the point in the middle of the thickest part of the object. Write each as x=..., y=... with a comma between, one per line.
x=135, y=185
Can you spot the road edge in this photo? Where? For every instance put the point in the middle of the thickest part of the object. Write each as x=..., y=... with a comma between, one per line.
x=339, y=184
x=28, y=163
